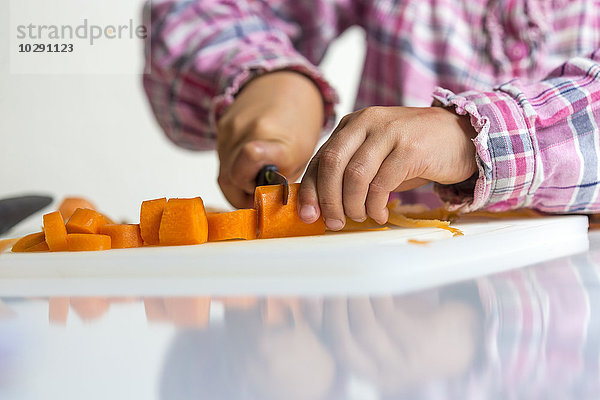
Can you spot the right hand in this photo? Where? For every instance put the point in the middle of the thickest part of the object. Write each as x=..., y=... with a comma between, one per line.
x=276, y=119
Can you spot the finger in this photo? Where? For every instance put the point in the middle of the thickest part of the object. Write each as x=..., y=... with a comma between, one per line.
x=359, y=173
x=370, y=335
x=336, y=329
x=390, y=175
x=343, y=122
x=308, y=200
x=313, y=310
x=333, y=159
x=308, y=203
x=383, y=307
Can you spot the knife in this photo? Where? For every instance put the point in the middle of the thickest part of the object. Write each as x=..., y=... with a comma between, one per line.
x=16, y=209
x=270, y=175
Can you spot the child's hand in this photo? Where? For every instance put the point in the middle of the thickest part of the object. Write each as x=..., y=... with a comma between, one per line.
x=275, y=119
x=379, y=150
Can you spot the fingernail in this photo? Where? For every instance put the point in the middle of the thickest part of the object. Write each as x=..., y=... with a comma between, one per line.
x=308, y=213
x=363, y=219
x=334, y=224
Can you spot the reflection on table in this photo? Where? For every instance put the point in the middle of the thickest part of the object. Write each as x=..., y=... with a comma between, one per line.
x=530, y=333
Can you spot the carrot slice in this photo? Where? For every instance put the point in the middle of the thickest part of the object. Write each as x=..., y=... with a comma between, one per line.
x=56, y=232
x=42, y=246
x=278, y=220
x=123, y=236
x=70, y=204
x=28, y=241
x=87, y=242
x=150, y=215
x=183, y=222
x=85, y=220
x=240, y=224
x=401, y=220
x=6, y=243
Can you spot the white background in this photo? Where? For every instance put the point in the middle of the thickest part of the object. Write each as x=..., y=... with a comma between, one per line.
x=94, y=135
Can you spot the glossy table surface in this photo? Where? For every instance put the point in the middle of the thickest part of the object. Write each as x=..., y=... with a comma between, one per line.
x=530, y=333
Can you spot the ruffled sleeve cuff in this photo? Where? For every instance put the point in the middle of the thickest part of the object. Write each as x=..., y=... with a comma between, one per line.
x=474, y=193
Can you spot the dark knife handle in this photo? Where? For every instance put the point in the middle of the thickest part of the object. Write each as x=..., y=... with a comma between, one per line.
x=265, y=175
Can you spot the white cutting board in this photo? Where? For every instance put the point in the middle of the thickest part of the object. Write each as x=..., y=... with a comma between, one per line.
x=371, y=262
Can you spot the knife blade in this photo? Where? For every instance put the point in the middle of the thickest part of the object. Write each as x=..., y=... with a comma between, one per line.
x=270, y=175
x=16, y=209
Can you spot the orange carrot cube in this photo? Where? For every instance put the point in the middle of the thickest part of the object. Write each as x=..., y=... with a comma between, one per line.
x=70, y=204
x=123, y=236
x=278, y=220
x=85, y=220
x=87, y=242
x=183, y=222
x=150, y=215
x=240, y=224
x=6, y=243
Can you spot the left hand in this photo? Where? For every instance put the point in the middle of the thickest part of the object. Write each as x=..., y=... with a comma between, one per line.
x=379, y=150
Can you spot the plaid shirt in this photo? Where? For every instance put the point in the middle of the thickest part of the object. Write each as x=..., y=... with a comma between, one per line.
x=527, y=72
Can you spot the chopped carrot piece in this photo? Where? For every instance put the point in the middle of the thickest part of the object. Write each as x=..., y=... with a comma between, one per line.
x=6, y=243
x=419, y=211
x=183, y=222
x=87, y=242
x=56, y=232
x=278, y=220
x=123, y=236
x=240, y=224
x=28, y=241
x=150, y=215
x=401, y=220
x=70, y=204
x=40, y=247
x=85, y=220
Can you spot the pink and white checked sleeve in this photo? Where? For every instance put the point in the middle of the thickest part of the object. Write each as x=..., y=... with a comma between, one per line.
x=202, y=52
x=538, y=144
